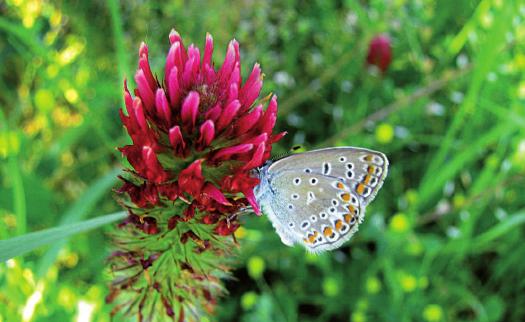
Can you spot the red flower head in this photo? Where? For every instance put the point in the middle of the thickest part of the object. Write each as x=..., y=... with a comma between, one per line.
x=380, y=52
x=198, y=131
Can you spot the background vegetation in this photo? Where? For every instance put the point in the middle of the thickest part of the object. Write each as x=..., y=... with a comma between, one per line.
x=444, y=240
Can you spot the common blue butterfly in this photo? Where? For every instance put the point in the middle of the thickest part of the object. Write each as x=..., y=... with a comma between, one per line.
x=318, y=198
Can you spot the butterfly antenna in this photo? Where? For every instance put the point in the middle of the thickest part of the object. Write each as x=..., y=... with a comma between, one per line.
x=294, y=149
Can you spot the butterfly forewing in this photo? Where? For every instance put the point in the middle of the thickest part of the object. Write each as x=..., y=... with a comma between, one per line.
x=364, y=170
x=318, y=198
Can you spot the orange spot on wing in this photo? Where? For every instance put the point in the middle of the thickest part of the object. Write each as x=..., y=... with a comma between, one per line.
x=338, y=224
x=360, y=188
x=340, y=185
x=348, y=218
x=368, y=157
x=345, y=197
x=311, y=238
x=367, y=179
x=328, y=231
x=371, y=169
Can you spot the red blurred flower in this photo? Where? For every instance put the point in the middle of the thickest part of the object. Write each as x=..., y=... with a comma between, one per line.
x=380, y=52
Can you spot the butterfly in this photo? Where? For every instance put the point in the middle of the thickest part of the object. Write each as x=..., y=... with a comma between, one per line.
x=318, y=198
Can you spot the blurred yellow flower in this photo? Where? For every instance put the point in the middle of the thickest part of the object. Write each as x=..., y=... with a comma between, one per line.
x=433, y=313
x=9, y=144
x=70, y=53
x=256, y=267
x=66, y=298
x=399, y=223
x=248, y=300
x=458, y=200
x=414, y=247
x=52, y=70
x=521, y=90
x=384, y=133
x=408, y=282
x=240, y=233
x=56, y=18
x=373, y=285
x=358, y=317
x=44, y=100
x=411, y=196
x=330, y=287
x=71, y=95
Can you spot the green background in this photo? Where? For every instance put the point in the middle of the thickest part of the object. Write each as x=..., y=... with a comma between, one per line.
x=444, y=239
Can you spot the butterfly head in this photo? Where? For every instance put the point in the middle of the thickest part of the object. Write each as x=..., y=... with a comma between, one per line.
x=264, y=185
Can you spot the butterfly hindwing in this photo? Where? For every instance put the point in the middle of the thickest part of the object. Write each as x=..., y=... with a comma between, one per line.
x=317, y=211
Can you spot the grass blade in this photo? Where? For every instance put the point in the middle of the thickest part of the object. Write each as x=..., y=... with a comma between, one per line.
x=23, y=244
x=77, y=212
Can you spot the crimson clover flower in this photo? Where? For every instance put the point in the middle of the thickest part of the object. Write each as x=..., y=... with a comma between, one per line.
x=380, y=52
x=197, y=133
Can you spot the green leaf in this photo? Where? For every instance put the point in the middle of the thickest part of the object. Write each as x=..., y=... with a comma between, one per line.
x=23, y=244
x=513, y=221
x=77, y=212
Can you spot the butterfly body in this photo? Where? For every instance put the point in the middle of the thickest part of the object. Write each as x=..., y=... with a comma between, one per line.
x=318, y=198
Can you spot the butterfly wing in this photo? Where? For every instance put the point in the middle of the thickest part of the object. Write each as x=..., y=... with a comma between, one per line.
x=364, y=170
x=318, y=198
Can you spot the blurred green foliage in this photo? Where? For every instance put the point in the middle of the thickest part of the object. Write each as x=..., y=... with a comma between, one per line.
x=443, y=241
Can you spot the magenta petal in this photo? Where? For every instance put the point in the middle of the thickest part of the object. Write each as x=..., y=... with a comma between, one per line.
x=228, y=114
x=144, y=65
x=235, y=77
x=128, y=100
x=257, y=158
x=261, y=138
x=177, y=140
x=207, y=131
x=208, y=51
x=173, y=86
x=163, y=108
x=187, y=75
x=247, y=122
x=214, y=193
x=143, y=50
x=270, y=116
x=251, y=199
x=226, y=152
x=228, y=64
x=233, y=93
x=214, y=113
x=190, y=108
x=146, y=93
x=138, y=112
x=174, y=36
x=277, y=137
